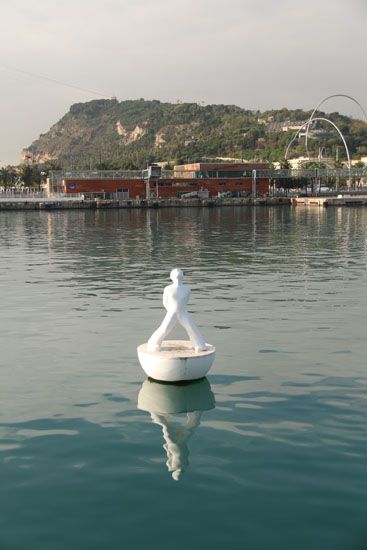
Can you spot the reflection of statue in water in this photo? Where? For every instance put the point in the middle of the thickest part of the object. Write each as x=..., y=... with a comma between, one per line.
x=175, y=299
x=163, y=402
x=176, y=438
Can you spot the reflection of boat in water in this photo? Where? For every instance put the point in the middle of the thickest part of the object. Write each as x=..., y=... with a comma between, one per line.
x=163, y=401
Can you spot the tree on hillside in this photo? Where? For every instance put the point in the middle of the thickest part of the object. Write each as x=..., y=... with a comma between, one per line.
x=51, y=166
x=284, y=164
x=107, y=165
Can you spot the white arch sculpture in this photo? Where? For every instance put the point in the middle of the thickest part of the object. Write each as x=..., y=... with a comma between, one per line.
x=336, y=128
x=309, y=121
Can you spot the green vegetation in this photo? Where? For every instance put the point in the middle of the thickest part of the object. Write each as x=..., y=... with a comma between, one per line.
x=23, y=175
x=109, y=134
x=8, y=176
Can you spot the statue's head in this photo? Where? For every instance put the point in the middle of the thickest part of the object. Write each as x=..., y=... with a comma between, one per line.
x=176, y=275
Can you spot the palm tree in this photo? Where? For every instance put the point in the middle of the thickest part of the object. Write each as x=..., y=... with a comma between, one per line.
x=30, y=175
x=8, y=176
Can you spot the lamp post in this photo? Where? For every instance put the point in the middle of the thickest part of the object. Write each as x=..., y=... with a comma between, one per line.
x=253, y=189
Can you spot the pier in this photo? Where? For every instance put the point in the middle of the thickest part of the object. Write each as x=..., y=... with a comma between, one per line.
x=335, y=200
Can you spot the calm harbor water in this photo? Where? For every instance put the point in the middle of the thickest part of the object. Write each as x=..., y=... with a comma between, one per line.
x=92, y=456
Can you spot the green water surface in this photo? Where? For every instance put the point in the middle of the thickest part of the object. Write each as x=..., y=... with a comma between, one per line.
x=278, y=463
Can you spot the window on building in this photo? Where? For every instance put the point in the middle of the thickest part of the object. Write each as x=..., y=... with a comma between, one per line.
x=230, y=174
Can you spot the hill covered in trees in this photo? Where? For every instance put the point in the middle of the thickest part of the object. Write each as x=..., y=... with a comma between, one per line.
x=111, y=134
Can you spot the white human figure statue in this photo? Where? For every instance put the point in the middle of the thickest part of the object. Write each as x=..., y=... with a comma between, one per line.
x=175, y=299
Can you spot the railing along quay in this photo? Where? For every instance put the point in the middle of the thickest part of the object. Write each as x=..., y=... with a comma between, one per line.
x=309, y=173
x=96, y=174
x=38, y=197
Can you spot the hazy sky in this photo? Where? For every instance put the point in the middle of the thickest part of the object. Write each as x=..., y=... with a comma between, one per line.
x=257, y=54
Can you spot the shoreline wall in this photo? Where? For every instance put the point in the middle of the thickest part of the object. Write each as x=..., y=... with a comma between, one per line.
x=49, y=204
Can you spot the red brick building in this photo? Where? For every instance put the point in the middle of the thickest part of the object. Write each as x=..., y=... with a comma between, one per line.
x=233, y=179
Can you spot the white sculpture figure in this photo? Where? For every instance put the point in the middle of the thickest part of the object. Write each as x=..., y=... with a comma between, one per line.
x=175, y=299
x=176, y=360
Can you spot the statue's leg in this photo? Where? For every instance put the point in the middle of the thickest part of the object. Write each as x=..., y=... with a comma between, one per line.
x=193, y=420
x=155, y=341
x=193, y=332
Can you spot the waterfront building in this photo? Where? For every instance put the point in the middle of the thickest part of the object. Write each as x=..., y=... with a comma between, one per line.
x=206, y=179
x=218, y=169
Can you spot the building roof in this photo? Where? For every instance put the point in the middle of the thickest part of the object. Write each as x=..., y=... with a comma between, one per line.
x=221, y=166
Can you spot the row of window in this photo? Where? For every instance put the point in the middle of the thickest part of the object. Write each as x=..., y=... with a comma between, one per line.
x=225, y=174
x=195, y=184
x=72, y=186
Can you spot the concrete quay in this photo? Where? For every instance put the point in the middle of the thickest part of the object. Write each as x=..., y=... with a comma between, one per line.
x=47, y=204
x=59, y=204
x=44, y=204
x=340, y=200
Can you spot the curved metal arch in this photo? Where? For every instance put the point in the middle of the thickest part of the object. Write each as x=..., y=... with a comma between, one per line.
x=324, y=101
x=293, y=140
x=308, y=122
x=336, y=128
